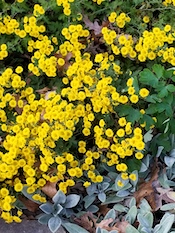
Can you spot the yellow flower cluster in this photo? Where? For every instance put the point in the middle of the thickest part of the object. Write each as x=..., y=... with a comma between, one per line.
x=7, y=204
x=39, y=127
x=38, y=10
x=120, y=44
x=120, y=20
x=168, y=2
x=31, y=28
x=73, y=36
x=98, y=1
x=41, y=49
x=3, y=51
x=152, y=44
x=8, y=25
x=66, y=6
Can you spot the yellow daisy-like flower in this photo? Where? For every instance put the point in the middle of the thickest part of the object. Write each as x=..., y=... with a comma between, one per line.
x=87, y=184
x=146, y=19
x=143, y=92
x=133, y=177
x=139, y=155
x=119, y=183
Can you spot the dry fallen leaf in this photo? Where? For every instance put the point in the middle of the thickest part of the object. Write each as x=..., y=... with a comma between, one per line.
x=146, y=190
x=120, y=227
x=30, y=205
x=104, y=224
x=87, y=221
x=43, y=90
x=49, y=189
x=103, y=209
x=92, y=26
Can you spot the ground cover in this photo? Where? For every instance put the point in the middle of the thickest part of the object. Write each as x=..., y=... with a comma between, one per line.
x=87, y=118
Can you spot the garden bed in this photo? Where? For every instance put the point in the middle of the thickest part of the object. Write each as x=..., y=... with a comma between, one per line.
x=87, y=114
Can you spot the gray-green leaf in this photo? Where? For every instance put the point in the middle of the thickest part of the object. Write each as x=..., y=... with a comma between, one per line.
x=54, y=224
x=47, y=208
x=59, y=197
x=73, y=228
x=71, y=200
x=44, y=218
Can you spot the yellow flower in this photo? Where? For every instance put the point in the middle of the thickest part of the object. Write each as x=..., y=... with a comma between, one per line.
x=146, y=19
x=86, y=184
x=139, y=155
x=143, y=92
x=6, y=206
x=142, y=111
x=167, y=28
x=88, y=161
x=109, y=133
x=99, y=179
x=86, y=132
x=134, y=99
x=133, y=177
x=72, y=172
x=4, y=192
x=124, y=175
x=61, y=61
x=120, y=133
x=98, y=57
x=101, y=123
x=18, y=187
x=19, y=69
x=12, y=103
x=119, y=183
x=122, y=121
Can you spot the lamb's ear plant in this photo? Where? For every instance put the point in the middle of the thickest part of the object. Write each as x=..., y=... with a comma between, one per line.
x=96, y=191
x=57, y=214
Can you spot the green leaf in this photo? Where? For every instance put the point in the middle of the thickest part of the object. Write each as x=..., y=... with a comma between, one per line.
x=57, y=209
x=138, y=2
x=171, y=88
x=172, y=125
x=151, y=109
x=73, y=228
x=153, y=98
x=163, y=92
x=134, y=115
x=158, y=69
x=133, y=164
x=161, y=107
x=165, y=223
x=148, y=78
x=123, y=110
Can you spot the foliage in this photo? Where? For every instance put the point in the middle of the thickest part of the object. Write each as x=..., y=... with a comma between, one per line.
x=87, y=110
